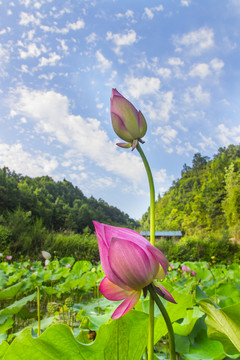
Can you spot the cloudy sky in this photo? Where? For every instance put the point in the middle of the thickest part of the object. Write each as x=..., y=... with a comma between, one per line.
x=176, y=60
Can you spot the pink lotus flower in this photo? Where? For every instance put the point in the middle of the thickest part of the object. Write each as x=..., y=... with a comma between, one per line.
x=128, y=123
x=68, y=265
x=185, y=268
x=193, y=273
x=130, y=263
x=9, y=257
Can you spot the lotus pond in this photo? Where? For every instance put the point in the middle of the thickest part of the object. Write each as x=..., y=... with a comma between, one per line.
x=57, y=312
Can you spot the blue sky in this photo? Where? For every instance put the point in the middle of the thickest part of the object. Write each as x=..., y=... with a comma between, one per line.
x=177, y=61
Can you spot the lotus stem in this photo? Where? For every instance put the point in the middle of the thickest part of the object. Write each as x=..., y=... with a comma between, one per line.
x=38, y=310
x=152, y=241
x=167, y=321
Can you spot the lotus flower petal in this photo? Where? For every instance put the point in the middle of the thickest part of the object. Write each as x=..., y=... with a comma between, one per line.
x=46, y=255
x=127, y=305
x=163, y=292
x=112, y=291
x=103, y=250
x=119, y=128
x=159, y=256
x=131, y=263
x=124, y=145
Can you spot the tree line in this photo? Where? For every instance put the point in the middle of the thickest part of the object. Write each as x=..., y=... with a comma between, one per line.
x=206, y=199
x=31, y=208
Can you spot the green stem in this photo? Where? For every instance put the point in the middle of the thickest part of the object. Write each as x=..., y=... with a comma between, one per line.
x=152, y=194
x=38, y=310
x=152, y=241
x=167, y=321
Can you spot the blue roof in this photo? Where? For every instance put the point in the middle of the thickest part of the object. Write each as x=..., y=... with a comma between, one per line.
x=162, y=233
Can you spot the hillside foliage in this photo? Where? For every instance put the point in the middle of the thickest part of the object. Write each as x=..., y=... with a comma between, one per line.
x=206, y=199
x=32, y=210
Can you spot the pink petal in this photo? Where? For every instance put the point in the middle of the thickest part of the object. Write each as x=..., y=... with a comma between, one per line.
x=159, y=256
x=163, y=292
x=131, y=263
x=119, y=127
x=127, y=305
x=104, y=252
x=124, y=145
x=112, y=291
x=107, y=232
x=115, y=93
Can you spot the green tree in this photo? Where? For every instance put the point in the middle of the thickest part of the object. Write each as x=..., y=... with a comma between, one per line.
x=231, y=204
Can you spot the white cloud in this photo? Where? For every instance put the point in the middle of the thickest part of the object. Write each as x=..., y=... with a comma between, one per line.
x=163, y=180
x=16, y=158
x=186, y=149
x=91, y=38
x=196, y=94
x=51, y=61
x=79, y=24
x=175, y=61
x=159, y=109
x=227, y=135
x=4, y=31
x=164, y=72
x=137, y=87
x=206, y=142
x=150, y=12
x=167, y=134
x=104, y=64
x=84, y=138
x=195, y=41
x=26, y=3
x=37, y=5
x=49, y=76
x=4, y=59
x=216, y=64
x=129, y=14
x=26, y=19
x=186, y=2
x=63, y=46
x=32, y=51
x=126, y=39
x=200, y=70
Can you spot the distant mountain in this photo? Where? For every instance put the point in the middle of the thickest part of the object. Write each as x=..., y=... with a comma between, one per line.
x=60, y=205
x=205, y=199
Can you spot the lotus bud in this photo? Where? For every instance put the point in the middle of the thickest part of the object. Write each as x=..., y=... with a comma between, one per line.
x=46, y=255
x=128, y=123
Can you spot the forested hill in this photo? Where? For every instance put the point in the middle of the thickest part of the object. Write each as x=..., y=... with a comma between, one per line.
x=205, y=199
x=60, y=205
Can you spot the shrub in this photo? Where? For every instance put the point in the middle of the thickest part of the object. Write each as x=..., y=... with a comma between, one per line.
x=82, y=247
x=210, y=249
